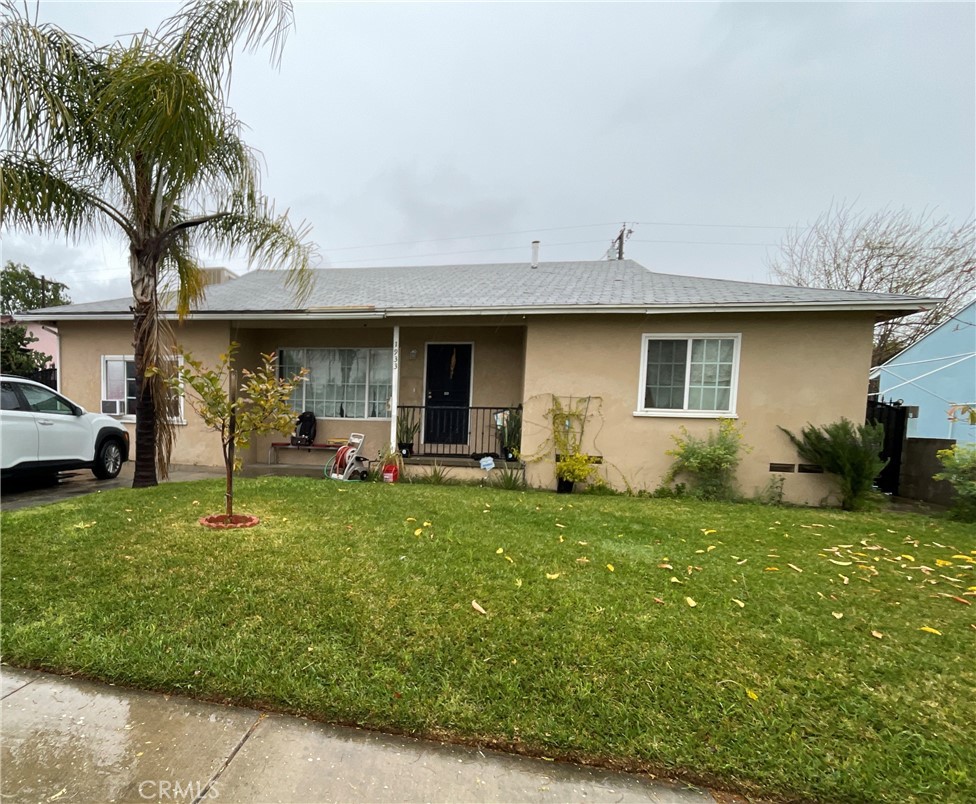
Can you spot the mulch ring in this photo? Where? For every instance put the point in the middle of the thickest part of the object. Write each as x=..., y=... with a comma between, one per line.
x=223, y=522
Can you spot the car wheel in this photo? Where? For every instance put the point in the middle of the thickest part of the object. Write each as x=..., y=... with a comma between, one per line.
x=108, y=462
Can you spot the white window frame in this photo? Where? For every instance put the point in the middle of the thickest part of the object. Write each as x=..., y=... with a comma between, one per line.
x=684, y=412
x=367, y=349
x=130, y=417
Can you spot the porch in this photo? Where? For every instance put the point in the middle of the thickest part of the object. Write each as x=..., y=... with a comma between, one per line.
x=450, y=394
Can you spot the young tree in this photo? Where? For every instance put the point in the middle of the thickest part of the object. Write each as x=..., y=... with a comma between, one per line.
x=259, y=404
x=137, y=138
x=885, y=252
x=21, y=289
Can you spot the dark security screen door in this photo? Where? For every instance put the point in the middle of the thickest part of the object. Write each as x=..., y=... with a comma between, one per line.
x=448, y=393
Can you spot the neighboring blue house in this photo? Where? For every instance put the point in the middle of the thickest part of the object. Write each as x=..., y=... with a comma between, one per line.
x=934, y=373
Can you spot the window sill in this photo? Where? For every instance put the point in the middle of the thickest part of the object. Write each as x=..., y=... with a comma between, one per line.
x=132, y=420
x=684, y=414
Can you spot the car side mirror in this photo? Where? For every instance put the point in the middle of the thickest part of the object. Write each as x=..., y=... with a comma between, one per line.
x=79, y=410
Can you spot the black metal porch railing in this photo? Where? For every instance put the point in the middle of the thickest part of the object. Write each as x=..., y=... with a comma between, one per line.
x=463, y=432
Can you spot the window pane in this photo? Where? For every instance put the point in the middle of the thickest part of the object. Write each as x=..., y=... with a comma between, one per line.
x=131, y=387
x=290, y=362
x=380, y=382
x=665, y=374
x=711, y=372
x=115, y=379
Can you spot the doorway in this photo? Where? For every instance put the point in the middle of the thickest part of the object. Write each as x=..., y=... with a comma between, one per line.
x=447, y=394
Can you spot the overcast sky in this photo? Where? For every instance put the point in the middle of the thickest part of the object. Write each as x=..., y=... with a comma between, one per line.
x=476, y=128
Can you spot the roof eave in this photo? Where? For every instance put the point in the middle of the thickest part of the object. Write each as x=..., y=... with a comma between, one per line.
x=885, y=310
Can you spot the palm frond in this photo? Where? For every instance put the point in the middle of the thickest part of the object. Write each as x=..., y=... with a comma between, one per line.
x=203, y=34
x=35, y=195
x=267, y=239
x=46, y=79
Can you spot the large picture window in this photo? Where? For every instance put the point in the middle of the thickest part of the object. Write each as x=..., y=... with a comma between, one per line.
x=689, y=374
x=120, y=386
x=341, y=383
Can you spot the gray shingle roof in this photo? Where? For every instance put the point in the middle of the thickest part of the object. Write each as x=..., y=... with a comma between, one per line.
x=563, y=286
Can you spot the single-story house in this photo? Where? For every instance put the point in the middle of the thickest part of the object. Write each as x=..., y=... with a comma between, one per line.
x=635, y=353
x=933, y=374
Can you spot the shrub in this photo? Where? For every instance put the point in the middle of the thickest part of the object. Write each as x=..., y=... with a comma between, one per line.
x=574, y=468
x=709, y=462
x=852, y=453
x=959, y=468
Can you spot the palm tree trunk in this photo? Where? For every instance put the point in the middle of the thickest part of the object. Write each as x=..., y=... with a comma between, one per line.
x=145, y=441
x=143, y=325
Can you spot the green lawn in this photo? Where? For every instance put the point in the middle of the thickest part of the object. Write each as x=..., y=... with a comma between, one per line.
x=766, y=650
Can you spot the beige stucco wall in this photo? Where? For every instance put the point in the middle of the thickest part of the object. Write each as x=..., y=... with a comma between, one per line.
x=794, y=369
x=84, y=343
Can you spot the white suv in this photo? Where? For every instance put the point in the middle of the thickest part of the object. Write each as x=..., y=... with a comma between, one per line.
x=44, y=433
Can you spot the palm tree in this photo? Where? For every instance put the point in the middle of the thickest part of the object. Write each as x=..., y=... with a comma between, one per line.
x=136, y=138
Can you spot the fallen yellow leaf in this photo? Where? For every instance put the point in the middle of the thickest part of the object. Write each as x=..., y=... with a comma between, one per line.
x=771, y=569
x=930, y=630
x=477, y=607
x=500, y=550
x=411, y=519
x=877, y=634
x=691, y=601
x=418, y=531
x=707, y=531
x=426, y=524
x=610, y=567
x=738, y=603
x=510, y=559
x=710, y=548
x=837, y=614
x=752, y=695
x=552, y=575
x=794, y=567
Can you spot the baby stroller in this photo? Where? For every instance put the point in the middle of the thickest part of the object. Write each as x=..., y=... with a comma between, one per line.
x=348, y=464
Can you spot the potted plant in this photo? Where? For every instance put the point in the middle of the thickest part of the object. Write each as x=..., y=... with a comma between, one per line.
x=510, y=432
x=571, y=469
x=391, y=463
x=408, y=425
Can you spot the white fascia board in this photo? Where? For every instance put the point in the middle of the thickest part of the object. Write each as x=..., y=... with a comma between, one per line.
x=903, y=307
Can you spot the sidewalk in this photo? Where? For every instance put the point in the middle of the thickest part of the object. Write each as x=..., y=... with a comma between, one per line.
x=66, y=740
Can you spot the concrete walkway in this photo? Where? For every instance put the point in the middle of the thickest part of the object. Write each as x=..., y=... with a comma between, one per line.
x=66, y=740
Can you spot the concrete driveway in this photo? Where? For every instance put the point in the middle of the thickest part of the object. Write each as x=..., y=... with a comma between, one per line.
x=25, y=493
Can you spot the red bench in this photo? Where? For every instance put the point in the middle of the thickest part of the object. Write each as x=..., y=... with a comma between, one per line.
x=331, y=444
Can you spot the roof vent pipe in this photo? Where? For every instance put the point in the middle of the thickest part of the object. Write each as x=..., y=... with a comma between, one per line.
x=535, y=253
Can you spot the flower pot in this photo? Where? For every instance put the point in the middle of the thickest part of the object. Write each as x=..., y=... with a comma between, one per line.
x=564, y=486
x=405, y=448
x=510, y=453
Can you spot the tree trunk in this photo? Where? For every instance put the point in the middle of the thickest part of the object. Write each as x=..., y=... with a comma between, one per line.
x=144, y=323
x=229, y=455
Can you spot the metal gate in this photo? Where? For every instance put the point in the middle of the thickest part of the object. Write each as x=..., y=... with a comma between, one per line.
x=894, y=419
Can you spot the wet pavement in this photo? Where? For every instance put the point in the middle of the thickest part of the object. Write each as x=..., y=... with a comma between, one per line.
x=68, y=740
x=25, y=493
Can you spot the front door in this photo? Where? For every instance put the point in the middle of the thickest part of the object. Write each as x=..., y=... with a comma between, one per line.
x=448, y=393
